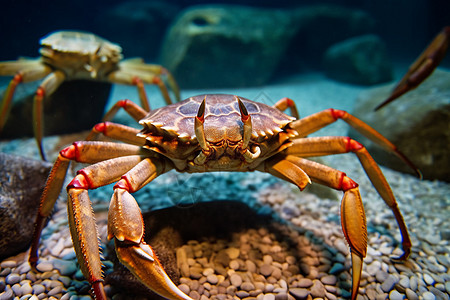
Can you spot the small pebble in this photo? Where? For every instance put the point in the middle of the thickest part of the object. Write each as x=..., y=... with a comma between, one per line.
x=389, y=283
x=428, y=296
x=44, y=267
x=411, y=295
x=395, y=295
x=329, y=279
x=236, y=280
x=12, y=279
x=247, y=286
x=305, y=283
x=428, y=279
x=299, y=293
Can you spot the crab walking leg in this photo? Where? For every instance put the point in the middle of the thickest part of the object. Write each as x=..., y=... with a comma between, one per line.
x=286, y=170
x=138, y=65
x=85, y=152
x=137, y=79
x=321, y=119
x=48, y=87
x=285, y=103
x=126, y=226
x=134, y=110
x=422, y=67
x=318, y=146
x=31, y=73
x=353, y=219
x=82, y=223
x=118, y=132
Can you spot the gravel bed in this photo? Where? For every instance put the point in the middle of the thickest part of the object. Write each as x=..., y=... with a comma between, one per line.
x=256, y=264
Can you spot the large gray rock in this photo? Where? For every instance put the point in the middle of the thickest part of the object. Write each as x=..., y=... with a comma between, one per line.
x=226, y=45
x=75, y=106
x=418, y=123
x=21, y=184
x=138, y=26
x=359, y=60
x=233, y=46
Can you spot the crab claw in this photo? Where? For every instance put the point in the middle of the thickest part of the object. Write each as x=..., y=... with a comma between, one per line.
x=143, y=263
x=126, y=226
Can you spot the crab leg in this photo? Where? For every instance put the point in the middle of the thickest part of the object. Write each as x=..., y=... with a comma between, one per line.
x=126, y=226
x=138, y=65
x=422, y=67
x=134, y=110
x=321, y=119
x=48, y=87
x=353, y=219
x=286, y=170
x=285, y=103
x=137, y=78
x=81, y=216
x=85, y=152
x=34, y=70
x=318, y=146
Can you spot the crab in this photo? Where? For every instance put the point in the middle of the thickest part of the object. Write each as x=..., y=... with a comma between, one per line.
x=422, y=67
x=205, y=133
x=74, y=55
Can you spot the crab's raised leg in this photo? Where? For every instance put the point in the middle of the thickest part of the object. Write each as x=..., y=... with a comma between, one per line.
x=422, y=67
x=314, y=122
x=353, y=218
x=134, y=110
x=285, y=103
x=318, y=146
x=126, y=226
x=138, y=65
x=129, y=74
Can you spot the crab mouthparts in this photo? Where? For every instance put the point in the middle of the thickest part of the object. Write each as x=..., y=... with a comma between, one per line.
x=227, y=151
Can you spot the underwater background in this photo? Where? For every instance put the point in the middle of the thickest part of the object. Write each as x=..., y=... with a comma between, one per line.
x=242, y=235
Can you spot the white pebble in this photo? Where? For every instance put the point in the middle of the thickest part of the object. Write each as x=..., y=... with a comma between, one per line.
x=428, y=296
x=44, y=266
x=428, y=279
x=12, y=278
x=8, y=264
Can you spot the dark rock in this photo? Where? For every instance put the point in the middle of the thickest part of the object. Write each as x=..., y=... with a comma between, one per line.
x=138, y=26
x=75, y=106
x=417, y=123
x=317, y=28
x=359, y=60
x=226, y=45
x=21, y=184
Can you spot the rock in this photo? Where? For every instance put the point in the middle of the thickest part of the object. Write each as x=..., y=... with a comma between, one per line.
x=299, y=293
x=359, y=60
x=75, y=106
x=226, y=45
x=306, y=50
x=128, y=21
x=417, y=123
x=21, y=184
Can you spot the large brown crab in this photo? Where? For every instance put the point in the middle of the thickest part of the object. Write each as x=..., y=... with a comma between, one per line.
x=74, y=55
x=204, y=133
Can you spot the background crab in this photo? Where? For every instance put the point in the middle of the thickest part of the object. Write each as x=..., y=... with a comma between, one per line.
x=204, y=133
x=74, y=55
